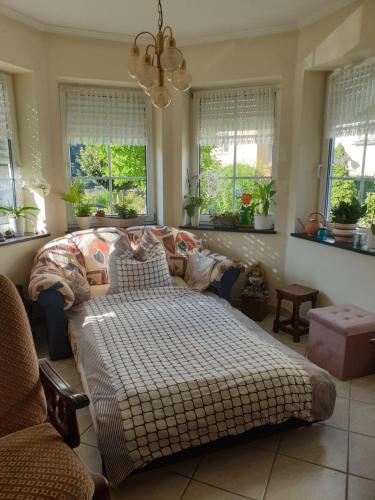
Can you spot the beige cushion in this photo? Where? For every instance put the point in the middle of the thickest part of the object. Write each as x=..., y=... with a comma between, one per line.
x=98, y=290
x=35, y=463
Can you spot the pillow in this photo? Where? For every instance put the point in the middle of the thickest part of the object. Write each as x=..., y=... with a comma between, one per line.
x=145, y=267
x=198, y=271
x=79, y=286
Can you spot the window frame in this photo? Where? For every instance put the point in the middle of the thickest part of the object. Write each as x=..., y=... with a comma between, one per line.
x=195, y=148
x=326, y=185
x=150, y=217
x=13, y=148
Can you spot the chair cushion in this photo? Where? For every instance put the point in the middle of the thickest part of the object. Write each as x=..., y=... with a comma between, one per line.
x=35, y=463
x=22, y=398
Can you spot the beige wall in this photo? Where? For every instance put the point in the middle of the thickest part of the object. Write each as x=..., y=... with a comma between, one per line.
x=296, y=61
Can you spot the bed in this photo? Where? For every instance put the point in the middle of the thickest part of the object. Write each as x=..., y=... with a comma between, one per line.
x=168, y=369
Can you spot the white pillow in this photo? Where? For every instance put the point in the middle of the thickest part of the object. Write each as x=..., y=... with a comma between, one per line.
x=126, y=270
x=198, y=271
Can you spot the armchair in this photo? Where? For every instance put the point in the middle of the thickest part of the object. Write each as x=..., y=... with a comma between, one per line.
x=38, y=425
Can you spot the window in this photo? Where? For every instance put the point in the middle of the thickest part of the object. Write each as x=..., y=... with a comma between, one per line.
x=108, y=147
x=350, y=129
x=235, y=137
x=7, y=181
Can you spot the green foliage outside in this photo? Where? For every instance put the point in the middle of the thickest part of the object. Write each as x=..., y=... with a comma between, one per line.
x=222, y=202
x=344, y=191
x=126, y=161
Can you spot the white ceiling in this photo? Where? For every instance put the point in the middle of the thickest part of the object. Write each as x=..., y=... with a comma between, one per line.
x=193, y=21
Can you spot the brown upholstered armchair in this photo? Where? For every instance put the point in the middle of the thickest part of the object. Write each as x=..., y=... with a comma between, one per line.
x=38, y=425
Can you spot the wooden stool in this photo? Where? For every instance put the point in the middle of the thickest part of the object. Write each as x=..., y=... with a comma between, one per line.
x=297, y=294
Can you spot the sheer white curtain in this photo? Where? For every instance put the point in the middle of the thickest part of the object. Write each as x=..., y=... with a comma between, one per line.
x=105, y=116
x=5, y=118
x=351, y=101
x=235, y=116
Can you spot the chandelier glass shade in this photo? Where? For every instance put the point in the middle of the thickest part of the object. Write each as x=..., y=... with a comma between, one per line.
x=162, y=61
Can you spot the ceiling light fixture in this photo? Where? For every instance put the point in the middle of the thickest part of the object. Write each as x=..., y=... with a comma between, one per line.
x=161, y=61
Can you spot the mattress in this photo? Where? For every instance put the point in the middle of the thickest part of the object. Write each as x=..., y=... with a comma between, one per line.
x=168, y=369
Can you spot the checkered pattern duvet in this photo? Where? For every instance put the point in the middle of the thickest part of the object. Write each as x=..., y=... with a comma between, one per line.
x=169, y=369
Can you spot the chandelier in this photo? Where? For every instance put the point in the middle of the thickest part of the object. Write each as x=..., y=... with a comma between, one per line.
x=161, y=61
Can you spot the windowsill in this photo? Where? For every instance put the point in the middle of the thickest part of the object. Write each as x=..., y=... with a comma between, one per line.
x=331, y=243
x=209, y=227
x=22, y=239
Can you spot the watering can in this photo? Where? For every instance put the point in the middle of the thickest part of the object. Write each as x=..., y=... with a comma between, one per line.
x=313, y=224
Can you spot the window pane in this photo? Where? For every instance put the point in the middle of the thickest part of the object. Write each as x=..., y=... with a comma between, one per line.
x=347, y=157
x=89, y=160
x=97, y=193
x=343, y=190
x=223, y=199
x=370, y=158
x=217, y=159
x=128, y=161
x=243, y=185
x=131, y=192
x=254, y=160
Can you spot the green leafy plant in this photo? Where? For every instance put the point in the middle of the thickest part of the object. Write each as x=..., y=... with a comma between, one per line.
x=76, y=196
x=225, y=219
x=192, y=202
x=18, y=212
x=124, y=211
x=263, y=197
x=348, y=212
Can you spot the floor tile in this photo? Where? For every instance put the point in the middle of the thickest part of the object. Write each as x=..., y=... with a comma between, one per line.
x=296, y=480
x=199, y=491
x=342, y=387
x=362, y=417
x=242, y=469
x=340, y=416
x=184, y=467
x=360, y=489
x=363, y=389
x=156, y=484
x=90, y=456
x=362, y=455
x=89, y=437
x=319, y=444
x=269, y=443
x=84, y=420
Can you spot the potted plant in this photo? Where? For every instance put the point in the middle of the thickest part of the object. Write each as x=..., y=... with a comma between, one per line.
x=193, y=209
x=369, y=220
x=246, y=210
x=345, y=217
x=263, y=197
x=82, y=208
x=225, y=219
x=17, y=217
x=127, y=216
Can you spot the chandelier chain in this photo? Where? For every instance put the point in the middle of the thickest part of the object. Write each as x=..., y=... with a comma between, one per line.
x=160, y=10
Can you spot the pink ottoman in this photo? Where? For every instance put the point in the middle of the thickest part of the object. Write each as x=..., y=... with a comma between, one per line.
x=339, y=340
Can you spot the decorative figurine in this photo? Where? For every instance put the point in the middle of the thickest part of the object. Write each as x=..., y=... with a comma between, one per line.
x=255, y=294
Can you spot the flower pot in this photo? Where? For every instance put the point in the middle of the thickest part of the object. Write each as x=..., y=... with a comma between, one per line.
x=83, y=222
x=370, y=239
x=344, y=233
x=196, y=217
x=17, y=225
x=263, y=222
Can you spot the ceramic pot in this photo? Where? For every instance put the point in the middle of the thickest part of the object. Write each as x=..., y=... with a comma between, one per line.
x=195, y=220
x=17, y=225
x=83, y=222
x=344, y=233
x=370, y=239
x=263, y=222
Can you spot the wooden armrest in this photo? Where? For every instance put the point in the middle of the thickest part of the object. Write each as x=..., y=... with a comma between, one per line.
x=62, y=403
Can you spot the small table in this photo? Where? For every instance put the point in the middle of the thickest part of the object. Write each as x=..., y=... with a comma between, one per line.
x=297, y=294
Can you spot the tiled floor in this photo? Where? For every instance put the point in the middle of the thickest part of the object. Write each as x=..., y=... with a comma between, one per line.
x=330, y=461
